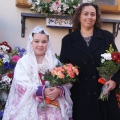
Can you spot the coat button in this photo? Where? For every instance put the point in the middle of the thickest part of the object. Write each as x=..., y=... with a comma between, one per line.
x=94, y=93
x=88, y=93
x=85, y=62
x=94, y=77
x=86, y=78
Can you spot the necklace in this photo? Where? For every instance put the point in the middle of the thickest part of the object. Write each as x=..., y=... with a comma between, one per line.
x=88, y=39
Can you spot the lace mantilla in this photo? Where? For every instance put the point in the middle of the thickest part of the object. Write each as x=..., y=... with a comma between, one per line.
x=42, y=69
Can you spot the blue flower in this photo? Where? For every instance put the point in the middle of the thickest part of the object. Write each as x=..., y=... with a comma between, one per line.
x=1, y=56
x=1, y=113
x=6, y=65
x=20, y=51
x=11, y=66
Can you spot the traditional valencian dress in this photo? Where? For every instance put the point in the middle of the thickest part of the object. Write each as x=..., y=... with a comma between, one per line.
x=26, y=98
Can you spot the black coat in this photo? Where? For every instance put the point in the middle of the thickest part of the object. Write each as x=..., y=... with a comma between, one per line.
x=85, y=92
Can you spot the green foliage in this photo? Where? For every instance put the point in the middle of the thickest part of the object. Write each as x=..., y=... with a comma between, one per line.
x=55, y=81
x=62, y=74
x=108, y=69
x=2, y=104
x=44, y=8
x=110, y=50
x=71, y=9
x=57, y=56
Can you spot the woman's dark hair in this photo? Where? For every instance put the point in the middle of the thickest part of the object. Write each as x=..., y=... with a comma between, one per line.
x=76, y=17
x=42, y=32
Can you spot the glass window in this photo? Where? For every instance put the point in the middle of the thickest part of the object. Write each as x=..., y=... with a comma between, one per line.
x=107, y=2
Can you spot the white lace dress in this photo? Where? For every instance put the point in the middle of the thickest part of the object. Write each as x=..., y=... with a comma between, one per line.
x=22, y=105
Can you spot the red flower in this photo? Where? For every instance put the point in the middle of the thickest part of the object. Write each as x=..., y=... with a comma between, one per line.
x=6, y=44
x=115, y=55
x=118, y=61
x=10, y=75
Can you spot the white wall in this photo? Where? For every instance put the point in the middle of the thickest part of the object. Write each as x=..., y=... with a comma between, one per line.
x=10, y=26
x=110, y=26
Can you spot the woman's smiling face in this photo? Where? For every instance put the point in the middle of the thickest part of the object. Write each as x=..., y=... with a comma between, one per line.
x=88, y=17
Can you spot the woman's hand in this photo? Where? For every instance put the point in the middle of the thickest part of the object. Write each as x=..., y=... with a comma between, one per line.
x=111, y=85
x=52, y=93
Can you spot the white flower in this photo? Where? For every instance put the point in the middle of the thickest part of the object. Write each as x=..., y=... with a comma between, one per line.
x=106, y=56
x=102, y=60
x=64, y=6
x=6, y=79
x=4, y=48
x=47, y=83
x=39, y=9
x=30, y=2
x=33, y=7
x=74, y=6
x=59, y=9
x=38, y=1
x=56, y=6
x=6, y=58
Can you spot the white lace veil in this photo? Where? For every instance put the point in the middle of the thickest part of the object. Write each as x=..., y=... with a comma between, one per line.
x=49, y=61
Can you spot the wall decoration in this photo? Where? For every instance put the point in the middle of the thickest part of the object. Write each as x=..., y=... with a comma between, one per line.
x=58, y=22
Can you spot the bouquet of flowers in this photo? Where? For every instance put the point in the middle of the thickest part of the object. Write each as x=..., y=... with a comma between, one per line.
x=110, y=64
x=8, y=60
x=62, y=75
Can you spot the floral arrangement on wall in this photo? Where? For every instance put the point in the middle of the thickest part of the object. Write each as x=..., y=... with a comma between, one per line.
x=59, y=7
x=8, y=60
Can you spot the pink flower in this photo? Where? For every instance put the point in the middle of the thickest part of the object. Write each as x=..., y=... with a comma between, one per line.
x=60, y=75
x=57, y=3
x=15, y=58
x=75, y=70
x=70, y=73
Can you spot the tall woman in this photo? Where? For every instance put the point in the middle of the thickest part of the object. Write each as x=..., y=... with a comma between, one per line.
x=83, y=47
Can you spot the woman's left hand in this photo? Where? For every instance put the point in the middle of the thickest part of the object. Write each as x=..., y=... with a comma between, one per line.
x=111, y=85
x=54, y=93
